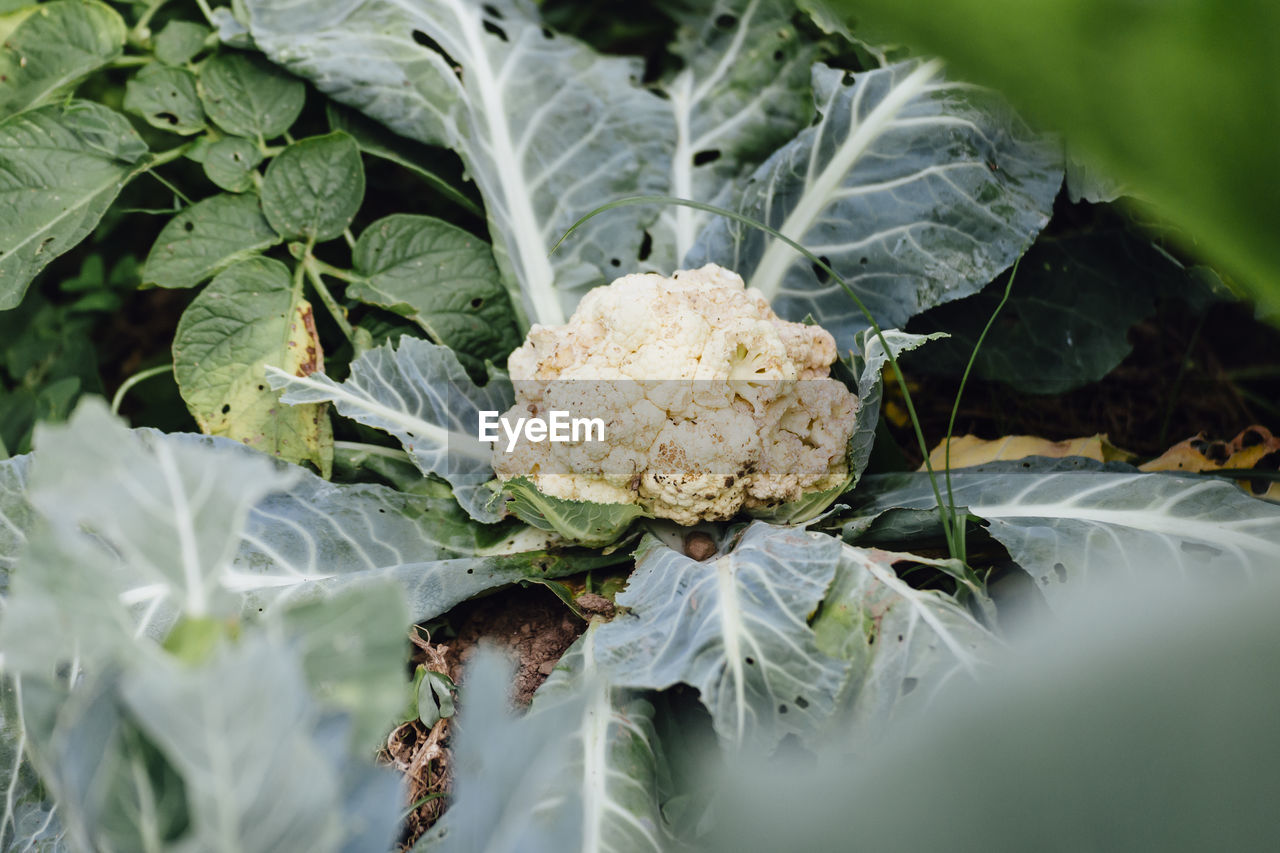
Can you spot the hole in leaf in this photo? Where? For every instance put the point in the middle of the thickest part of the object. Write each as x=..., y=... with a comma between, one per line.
x=750, y=661
x=492, y=11
x=262, y=387
x=702, y=158
x=863, y=260
x=779, y=55
x=188, y=226
x=169, y=117
x=802, y=702
x=477, y=303
x=847, y=79
x=226, y=408
x=820, y=271
x=493, y=29
x=616, y=262
x=909, y=684
x=646, y=246
x=782, y=709
x=429, y=43
x=547, y=33
x=726, y=22
x=1251, y=438
x=1061, y=571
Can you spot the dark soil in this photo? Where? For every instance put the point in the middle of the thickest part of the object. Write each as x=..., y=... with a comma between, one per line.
x=1212, y=373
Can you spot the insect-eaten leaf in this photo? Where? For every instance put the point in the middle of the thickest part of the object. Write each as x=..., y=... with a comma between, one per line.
x=247, y=318
x=206, y=238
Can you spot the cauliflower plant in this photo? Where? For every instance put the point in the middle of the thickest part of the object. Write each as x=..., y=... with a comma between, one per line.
x=711, y=402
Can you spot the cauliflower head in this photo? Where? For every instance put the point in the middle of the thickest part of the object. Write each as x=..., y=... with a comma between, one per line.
x=711, y=403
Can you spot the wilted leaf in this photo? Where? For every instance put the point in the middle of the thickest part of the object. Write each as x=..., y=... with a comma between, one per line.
x=206, y=238
x=915, y=190
x=49, y=48
x=165, y=98
x=440, y=277
x=1254, y=447
x=61, y=167
x=247, y=96
x=248, y=318
x=314, y=187
x=969, y=450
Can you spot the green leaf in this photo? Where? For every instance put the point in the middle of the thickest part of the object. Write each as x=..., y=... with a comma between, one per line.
x=421, y=395
x=51, y=47
x=206, y=238
x=742, y=92
x=440, y=277
x=247, y=96
x=172, y=513
x=1189, y=145
x=352, y=650
x=230, y=162
x=261, y=787
x=166, y=98
x=375, y=139
x=735, y=628
x=904, y=644
x=16, y=514
x=1070, y=527
x=61, y=167
x=251, y=316
x=583, y=523
x=180, y=41
x=314, y=187
x=1068, y=318
x=915, y=190
x=29, y=819
x=615, y=758
x=547, y=128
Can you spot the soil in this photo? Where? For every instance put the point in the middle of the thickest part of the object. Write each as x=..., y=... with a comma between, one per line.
x=532, y=626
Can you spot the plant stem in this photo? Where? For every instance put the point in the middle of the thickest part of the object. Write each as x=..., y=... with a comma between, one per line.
x=335, y=272
x=349, y=237
x=134, y=380
x=339, y=315
x=955, y=406
x=207, y=12
x=374, y=449
x=129, y=61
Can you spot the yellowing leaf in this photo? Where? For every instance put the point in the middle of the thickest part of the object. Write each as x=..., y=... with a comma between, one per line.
x=969, y=450
x=247, y=318
x=1253, y=445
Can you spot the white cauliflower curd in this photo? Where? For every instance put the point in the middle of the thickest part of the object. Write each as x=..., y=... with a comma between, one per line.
x=711, y=402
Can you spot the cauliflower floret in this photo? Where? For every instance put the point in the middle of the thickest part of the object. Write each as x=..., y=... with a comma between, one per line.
x=710, y=401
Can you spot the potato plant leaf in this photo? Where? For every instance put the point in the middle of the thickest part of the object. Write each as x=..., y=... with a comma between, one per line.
x=165, y=98
x=548, y=129
x=440, y=277
x=735, y=628
x=61, y=167
x=247, y=96
x=206, y=238
x=421, y=395
x=916, y=191
x=314, y=187
x=251, y=316
x=49, y=48
x=1070, y=527
x=180, y=41
x=230, y=162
